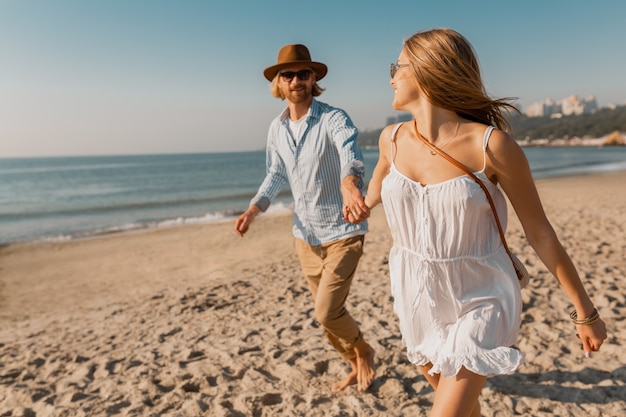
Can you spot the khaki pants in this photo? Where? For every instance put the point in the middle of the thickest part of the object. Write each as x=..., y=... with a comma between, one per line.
x=329, y=269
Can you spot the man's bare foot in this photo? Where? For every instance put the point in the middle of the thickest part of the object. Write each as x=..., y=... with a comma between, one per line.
x=347, y=381
x=363, y=370
x=364, y=365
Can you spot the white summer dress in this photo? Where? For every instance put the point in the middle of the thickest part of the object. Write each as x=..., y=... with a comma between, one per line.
x=454, y=287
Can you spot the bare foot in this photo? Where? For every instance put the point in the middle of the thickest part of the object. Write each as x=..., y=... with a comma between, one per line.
x=347, y=381
x=364, y=365
x=363, y=370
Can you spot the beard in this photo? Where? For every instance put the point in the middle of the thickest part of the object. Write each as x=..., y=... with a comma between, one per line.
x=298, y=94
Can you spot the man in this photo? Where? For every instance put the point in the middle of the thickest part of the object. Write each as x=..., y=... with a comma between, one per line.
x=312, y=146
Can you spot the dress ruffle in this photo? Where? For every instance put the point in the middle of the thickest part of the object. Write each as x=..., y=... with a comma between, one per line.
x=498, y=361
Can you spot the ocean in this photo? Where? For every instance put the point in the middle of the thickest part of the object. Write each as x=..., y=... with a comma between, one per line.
x=64, y=198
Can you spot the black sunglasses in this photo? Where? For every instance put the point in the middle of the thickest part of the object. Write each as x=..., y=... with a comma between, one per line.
x=302, y=75
x=395, y=67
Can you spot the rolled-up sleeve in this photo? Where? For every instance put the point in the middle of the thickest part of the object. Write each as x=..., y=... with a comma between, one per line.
x=344, y=134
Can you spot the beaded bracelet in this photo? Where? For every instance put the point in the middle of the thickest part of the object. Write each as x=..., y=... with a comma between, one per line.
x=586, y=321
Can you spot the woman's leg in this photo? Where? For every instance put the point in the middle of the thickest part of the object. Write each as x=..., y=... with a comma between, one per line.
x=458, y=396
x=452, y=395
x=433, y=380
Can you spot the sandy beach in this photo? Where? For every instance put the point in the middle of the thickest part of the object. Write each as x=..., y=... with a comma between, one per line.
x=196, y=321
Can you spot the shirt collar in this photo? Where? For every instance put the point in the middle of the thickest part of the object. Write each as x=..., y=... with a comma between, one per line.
x=315, y=111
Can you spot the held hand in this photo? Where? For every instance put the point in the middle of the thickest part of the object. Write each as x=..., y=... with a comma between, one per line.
x=354, y=208
x=355, y=214
x=370, y=202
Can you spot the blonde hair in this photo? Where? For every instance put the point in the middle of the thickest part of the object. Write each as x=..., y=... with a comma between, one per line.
x=277, y=92
x=447, y=70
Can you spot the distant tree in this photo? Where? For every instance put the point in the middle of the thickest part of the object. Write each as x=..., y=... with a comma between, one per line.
x=597, y=124
x=369, y=138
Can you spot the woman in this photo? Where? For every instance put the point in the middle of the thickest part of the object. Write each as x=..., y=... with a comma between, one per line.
x=454, y=287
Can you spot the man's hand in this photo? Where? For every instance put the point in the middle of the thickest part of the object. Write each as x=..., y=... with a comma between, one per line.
x=354, y=208
x=242, y=224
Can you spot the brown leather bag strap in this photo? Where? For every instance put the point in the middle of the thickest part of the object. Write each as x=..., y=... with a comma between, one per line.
x=473, y=176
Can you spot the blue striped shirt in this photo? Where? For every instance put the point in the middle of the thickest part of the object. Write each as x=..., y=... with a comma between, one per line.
x=314, y=167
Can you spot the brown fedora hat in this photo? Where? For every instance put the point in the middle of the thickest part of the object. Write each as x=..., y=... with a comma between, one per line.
x=295, y=54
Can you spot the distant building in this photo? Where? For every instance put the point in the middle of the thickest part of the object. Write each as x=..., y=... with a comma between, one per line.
x=567, y=106
x=545, y=108
x=403, y=117
x=574, y=105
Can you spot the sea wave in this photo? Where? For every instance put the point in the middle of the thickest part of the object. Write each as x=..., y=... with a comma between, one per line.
x=57, y=209
x=58, y=169
x=224, y=215
x=578, y=169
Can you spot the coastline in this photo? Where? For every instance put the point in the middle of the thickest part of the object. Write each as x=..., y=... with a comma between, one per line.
x=109, y=195
x=193, y=319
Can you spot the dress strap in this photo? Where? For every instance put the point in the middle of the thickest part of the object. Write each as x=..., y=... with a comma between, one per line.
x=394, y=132
x=485, y=143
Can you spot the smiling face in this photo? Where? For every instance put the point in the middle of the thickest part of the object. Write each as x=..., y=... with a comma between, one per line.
x=296, y=90
x=405, y=88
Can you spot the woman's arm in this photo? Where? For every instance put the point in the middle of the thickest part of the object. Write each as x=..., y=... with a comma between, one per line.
x=372, y=198
x=507, y=164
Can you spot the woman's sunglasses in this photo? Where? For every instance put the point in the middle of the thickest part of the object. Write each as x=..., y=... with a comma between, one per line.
x=302, y=75
x=395, y=67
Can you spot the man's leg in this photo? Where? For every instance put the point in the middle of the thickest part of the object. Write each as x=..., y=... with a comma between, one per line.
x=340, y=262
x=312, y=263
x=329, y=270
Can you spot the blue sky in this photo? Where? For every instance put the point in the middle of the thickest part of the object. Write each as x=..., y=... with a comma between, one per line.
x=141, y=77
